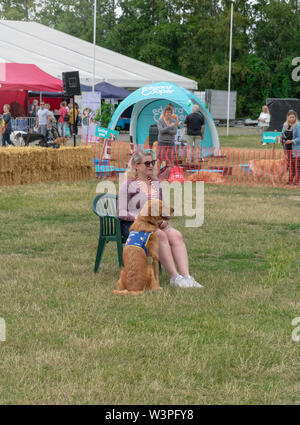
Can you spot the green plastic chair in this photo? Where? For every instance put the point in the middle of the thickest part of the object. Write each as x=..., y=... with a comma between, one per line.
x=105, y=207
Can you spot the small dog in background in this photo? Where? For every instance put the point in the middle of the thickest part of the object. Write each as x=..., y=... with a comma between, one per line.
x=137, y=275
x=207, y=177
x=21, y=138
x=274, y=170
x=61, y=141
x=17, y=137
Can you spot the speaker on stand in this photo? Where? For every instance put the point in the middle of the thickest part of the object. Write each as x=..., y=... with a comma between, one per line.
x=71, y=83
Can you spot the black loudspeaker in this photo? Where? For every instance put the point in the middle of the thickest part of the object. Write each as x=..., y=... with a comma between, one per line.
x=278, y=109
x=71, y=82
x=153, y=134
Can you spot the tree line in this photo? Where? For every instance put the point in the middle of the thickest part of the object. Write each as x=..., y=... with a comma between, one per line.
x=190, y=38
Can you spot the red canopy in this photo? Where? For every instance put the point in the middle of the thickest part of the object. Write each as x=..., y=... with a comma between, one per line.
x=21, y=76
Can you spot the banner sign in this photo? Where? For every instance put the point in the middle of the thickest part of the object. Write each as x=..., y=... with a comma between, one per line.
x=270, y=136
x=91, y=102
x=105, y=133
x=157, y=90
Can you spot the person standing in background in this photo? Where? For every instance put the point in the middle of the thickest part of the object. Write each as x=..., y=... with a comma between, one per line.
x=195, y=128
x=62, y=120
x=32, y=113
x=167, y=130
x=264, y=120
x=52, y=133
x=33, y=108
x=291, y=137
x=42, y=121
x=74, y=119
x=6, y=126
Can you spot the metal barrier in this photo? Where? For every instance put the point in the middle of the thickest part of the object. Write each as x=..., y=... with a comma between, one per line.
x=23, y=124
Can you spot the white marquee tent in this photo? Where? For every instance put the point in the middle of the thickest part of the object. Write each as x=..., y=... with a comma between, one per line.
x=56, y=52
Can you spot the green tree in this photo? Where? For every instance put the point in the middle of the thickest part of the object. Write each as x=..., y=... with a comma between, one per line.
x=76, y=17
x=189, y=37
x=20, y=10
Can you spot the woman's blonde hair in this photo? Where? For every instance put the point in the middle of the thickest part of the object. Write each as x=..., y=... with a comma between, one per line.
x=291, y=112
x=265, y=108
x=137, y=158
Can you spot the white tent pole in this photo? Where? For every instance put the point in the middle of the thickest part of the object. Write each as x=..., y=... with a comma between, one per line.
x=94, y=43
x=229, y=69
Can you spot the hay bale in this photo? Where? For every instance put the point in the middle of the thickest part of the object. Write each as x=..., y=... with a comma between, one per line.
x=36, y=164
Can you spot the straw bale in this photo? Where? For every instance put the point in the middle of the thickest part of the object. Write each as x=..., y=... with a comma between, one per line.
x=36, y=164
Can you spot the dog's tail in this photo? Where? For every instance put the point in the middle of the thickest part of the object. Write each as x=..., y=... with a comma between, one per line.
x=126, y=292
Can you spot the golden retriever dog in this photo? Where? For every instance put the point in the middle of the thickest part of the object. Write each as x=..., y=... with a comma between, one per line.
x=207, y=177
x=273, y=169
x=61, y=141
x=137, y=275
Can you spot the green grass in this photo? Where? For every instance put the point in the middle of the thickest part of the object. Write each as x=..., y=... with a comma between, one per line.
x=70, y=340
x=249, y=141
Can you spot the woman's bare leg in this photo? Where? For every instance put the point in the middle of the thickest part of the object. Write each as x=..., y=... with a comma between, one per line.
x=165, y=254
x=178, y=249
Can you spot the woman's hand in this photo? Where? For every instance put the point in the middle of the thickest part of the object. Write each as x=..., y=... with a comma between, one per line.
x=288, y=142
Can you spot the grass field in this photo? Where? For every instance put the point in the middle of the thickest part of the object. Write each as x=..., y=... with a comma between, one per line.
x=71, y=341
x=248, y=140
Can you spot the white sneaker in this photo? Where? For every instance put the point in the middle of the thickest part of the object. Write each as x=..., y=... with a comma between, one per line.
x=179, y=282
x=192, y=283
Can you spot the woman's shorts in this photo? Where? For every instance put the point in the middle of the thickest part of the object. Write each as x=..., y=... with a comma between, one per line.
x=125, y=225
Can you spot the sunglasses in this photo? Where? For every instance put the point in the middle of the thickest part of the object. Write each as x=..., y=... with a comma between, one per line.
x=148, y=163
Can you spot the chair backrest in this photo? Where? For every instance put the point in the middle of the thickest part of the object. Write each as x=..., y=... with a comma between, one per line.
x=105, y=206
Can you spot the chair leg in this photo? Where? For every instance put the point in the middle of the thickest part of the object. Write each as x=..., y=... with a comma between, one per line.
x=101, y=246
x=120, y=253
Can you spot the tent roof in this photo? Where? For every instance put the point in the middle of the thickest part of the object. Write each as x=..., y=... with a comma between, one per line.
x=20, y=76
x=111, y=92
x=108, y=91
x=56, y=52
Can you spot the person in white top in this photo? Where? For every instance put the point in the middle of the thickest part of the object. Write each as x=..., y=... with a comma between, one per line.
x=264, y=119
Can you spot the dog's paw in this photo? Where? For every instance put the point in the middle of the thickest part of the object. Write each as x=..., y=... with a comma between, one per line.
x=121, y=291
x=158, y=288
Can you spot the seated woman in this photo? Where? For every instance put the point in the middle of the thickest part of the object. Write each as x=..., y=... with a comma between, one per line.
x=141, y=185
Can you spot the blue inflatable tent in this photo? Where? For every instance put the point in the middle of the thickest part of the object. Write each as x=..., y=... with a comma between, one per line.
x=149, y=102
